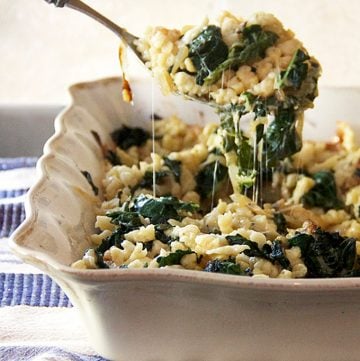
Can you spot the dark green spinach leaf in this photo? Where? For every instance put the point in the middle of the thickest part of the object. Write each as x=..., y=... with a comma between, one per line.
x=297, y=70
x=173, y=258
x=160, y=210
x=148, y=179
x=160, y=233
x=174, y=166
x=252, y=47
x=281, y=139
x=127, y=137
x=324, y=193
x=228, y=267
x=128, y=220
x=114, y=239
x=280, y=221
x=99, y=260
x=327, y=254
x=275, y=253
x=210, y=178
x=207, y=51
x=253, y=251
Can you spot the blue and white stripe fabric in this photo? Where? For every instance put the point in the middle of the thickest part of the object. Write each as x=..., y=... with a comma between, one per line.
x=31, y=290
x=37, y=320
x=43, y=353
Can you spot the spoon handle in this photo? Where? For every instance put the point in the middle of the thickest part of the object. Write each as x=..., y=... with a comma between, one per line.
x=78, y=5
x=57, y=3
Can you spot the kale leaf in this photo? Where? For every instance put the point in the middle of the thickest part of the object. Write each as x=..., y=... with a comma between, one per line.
x=128, y=220
x=173, y=258
x=99, y=260
x=127, y=137
x=297, y=70
x=303, y=241
x=114, y=239
x=280, y=221
x=252, y=47
x=245, y=153
x=148, y=179
x=228, y=267
x=160, y=210
x=273, y=253
x=281, y=139
x=327, y=254
x=210, y=178
x=234, y=140
x=238, y=239
x=227, y=115
x=253, y=251
x=207, y=51
x=174, y=166
x=160, y=234
x=324, y=193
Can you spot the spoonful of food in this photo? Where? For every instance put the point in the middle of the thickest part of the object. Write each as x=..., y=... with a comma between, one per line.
x=255, y=73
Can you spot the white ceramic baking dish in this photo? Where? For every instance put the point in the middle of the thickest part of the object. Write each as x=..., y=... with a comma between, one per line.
x=169, y=314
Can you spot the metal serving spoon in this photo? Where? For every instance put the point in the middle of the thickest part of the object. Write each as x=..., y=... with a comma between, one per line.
x=126, y=37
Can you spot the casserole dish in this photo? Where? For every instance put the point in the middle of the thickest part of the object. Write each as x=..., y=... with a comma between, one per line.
x=170, y=314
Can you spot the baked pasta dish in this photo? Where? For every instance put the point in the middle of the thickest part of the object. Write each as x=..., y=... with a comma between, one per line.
x=244, y=196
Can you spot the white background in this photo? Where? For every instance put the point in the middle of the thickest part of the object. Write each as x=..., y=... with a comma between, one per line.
x=44, y=49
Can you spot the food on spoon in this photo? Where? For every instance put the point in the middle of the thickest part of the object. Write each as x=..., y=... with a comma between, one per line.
x=257, y=73
x=196, y=222
x=221, y=61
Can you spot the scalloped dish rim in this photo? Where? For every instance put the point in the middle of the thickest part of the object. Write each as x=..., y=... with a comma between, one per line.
x=52, y=266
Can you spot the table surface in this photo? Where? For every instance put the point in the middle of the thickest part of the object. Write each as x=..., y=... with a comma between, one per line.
x=38, y=321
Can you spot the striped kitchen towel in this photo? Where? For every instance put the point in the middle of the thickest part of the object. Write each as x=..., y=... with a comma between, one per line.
x=37, y=320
